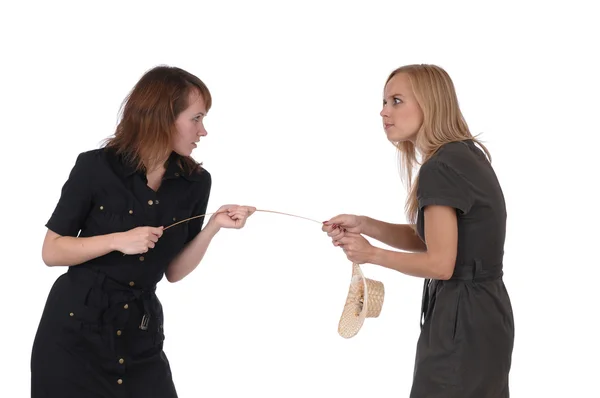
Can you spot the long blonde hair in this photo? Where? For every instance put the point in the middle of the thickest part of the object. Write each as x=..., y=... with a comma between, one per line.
x=443, y=122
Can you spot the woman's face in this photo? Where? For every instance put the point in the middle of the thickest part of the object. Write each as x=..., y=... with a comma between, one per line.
x=401, y=114
x=190, y=125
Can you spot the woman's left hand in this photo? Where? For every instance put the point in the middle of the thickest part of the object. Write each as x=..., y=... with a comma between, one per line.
x=232, y=216
x=356, y=247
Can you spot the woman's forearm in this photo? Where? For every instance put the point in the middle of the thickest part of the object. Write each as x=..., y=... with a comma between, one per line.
x=422, y=265
x=68, y=251
x=189, y=258
x=399, y=236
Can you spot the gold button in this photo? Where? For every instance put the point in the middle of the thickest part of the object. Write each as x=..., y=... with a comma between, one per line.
x=131, y=283
x=118, y=332
x=176, y=174
x=71, y=314
x=120, y=381
x=141, y=258
x=126, y=306
x=121, y=361
x=101, y=207
x=150, y=202
x=174, y=218
x=130, y=211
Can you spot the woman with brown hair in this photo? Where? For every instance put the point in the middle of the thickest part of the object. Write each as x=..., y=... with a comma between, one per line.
x=454, y=239
x=101, y=333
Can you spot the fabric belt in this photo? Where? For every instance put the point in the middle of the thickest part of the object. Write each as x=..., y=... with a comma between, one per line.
x=118, y=292
x=474, y=273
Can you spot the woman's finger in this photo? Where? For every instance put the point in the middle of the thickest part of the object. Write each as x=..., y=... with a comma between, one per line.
x=339, y=236
x=344, y=240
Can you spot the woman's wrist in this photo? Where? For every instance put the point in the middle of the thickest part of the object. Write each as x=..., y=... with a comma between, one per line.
x=212, y=227
x=364, y=223
x=113, y=241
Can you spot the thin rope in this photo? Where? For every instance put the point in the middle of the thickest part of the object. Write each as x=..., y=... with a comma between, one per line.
x=261, y=210
x=217, y=212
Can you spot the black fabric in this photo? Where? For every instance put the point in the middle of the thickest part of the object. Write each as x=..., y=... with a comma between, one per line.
x=101, y=333
x=467, y=326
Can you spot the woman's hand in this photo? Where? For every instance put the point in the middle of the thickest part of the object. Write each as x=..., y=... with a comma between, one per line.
x=137, y=240
x=337, y=227
x=232, y=216
x=357, y=248
x=345, y=232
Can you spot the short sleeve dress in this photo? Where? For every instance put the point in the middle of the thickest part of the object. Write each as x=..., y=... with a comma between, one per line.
x=101, y=332
x=467, y=327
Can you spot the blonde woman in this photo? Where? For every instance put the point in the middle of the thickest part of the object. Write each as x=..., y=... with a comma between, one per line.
x=455, y=239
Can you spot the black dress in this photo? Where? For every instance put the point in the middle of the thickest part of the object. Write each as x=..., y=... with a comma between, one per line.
x=101, y=333
x=467, y=329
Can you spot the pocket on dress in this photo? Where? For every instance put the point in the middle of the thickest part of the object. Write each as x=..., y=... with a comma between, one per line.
x=180, y=223
x=86, y=307
x=114, y=204
x=112, y=214
x=178, y=215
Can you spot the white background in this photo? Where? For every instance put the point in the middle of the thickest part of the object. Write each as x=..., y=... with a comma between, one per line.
x=295, y=127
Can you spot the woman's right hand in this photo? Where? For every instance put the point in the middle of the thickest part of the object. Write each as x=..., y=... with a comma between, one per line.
x=338, y=225
x=137, y=240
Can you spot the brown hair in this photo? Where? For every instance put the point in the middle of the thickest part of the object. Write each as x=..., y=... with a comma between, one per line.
x=443, y=122
x=145, y=132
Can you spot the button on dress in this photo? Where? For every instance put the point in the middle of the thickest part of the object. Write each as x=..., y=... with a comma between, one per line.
x=101, y=332
x=467, y=326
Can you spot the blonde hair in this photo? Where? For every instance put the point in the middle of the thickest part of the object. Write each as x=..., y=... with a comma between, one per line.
x=443, y=122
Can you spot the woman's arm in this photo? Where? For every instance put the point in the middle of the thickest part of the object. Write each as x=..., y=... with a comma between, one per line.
x=192, y=254
x=228, y=216
x=60, y=250
x=438, y=261
x=399, y=236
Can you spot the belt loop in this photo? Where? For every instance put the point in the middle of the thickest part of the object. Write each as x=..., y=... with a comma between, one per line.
x=478, y=268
